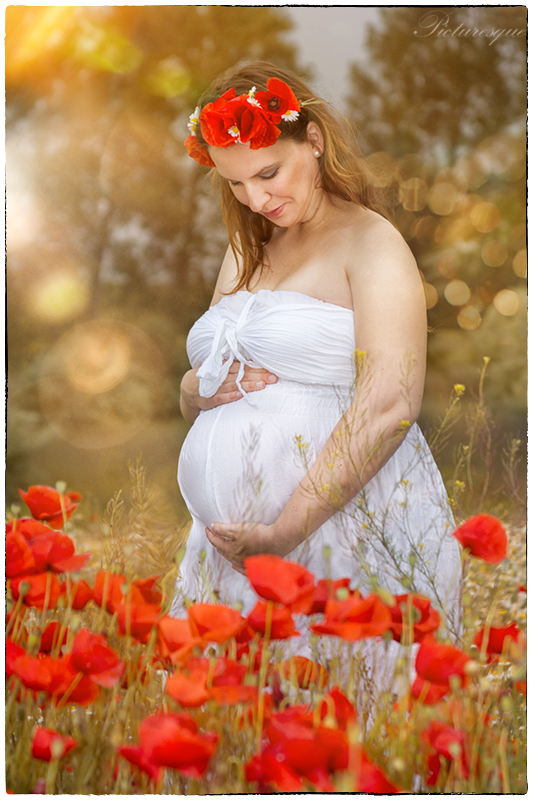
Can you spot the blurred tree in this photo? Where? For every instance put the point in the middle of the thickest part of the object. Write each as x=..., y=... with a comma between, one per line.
x=115, y=87
x=433, y=87
x=108, y=218
x=441, y=108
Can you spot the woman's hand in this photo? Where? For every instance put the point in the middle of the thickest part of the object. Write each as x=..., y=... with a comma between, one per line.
x=237, y=541
x=191, y=402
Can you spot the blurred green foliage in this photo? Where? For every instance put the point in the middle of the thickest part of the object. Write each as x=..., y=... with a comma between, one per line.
x=114, y=238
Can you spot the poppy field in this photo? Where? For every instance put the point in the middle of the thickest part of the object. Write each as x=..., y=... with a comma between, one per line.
x=108, y=694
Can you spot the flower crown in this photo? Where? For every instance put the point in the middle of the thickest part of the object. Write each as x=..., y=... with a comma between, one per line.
x=252, y=118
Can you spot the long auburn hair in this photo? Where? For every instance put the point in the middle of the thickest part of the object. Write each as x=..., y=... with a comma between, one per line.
x=343, y=169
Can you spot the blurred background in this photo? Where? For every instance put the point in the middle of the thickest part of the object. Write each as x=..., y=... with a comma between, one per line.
x=114, y=239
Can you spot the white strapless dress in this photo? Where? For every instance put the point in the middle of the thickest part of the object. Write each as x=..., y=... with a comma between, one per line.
x=242, y=461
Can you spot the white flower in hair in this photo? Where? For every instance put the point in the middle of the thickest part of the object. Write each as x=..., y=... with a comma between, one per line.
x=251, y=97
x=193, y=120
x=235, y=132
x=290, y=116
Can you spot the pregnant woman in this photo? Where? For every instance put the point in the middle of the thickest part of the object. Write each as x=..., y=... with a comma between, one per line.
x=308, y=368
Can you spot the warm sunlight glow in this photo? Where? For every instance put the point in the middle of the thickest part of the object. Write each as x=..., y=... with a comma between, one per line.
x=457, y=293
x=59, y=296
x=520, y=264
x=485, y=217
x=507, y=302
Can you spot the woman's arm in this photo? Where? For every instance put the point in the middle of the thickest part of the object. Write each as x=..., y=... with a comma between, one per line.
x=191, y=401
x=390, y=332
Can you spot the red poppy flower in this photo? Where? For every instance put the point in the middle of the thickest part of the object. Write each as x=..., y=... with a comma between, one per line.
x=71, y=685
x=56, y=551
x=43, y=590
x=48, y=745
x=246, y=121
x=446, y=743
x=19, y=557
x=171, y=740
x=113, y=591
x=36, y=674
x=437, y=663
x=190, y=687
x=137, y=620
x=175, y=639
x=306, y=672
x=57, y=677
x=271, y=773
x=278, y=621
x=198, y=151
x=336, y=703
x=305, y=748
x=278, y=100
x=50, y=637
x=369, y=778
x=326, y=590
x=282, y=581
x=424, y=619
x=428, y=693
x=13, y=652
x=92, y=655
x=190, y=691
x=355, y=618
x=500, y=639
x=485, y=537
x=214, y=623
x=137, y=757
x=45, y=504
x=79, y=594
x=27, y=527
x=149, y=590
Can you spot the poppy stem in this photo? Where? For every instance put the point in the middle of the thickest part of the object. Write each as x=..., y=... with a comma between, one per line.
x=14, y=619
x=262, y=675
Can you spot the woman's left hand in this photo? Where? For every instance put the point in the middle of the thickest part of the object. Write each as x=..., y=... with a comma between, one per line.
x=237, y=541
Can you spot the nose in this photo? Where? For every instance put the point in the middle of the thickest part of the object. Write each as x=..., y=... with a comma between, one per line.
x=257, y=197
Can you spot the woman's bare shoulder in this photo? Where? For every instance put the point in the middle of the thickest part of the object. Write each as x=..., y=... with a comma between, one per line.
x=227, y=277
x=376, y=246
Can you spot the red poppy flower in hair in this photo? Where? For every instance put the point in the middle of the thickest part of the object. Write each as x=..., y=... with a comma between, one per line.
x=251, y=118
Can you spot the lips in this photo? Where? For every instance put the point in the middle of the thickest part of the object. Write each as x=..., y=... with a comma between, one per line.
x=275, y=213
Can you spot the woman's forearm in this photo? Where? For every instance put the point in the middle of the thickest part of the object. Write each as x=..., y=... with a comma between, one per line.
x=357, y=449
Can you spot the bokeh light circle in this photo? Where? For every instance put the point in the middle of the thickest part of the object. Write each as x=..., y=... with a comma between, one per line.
x=520, y=264
x=413, y=194
x=432, y=296
x=485, y=217
x=443, y=197
x=457, y=293
x=494, y=253
x=469, y=318
x=101, y=383
x=507, y=303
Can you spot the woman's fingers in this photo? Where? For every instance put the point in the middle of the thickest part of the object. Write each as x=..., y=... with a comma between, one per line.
x=254, y=380
x=226, y=545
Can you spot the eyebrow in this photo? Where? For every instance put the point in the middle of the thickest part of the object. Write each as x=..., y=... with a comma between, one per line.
x=257, y=174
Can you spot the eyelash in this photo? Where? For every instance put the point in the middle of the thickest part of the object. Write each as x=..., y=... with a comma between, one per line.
x=264, y=177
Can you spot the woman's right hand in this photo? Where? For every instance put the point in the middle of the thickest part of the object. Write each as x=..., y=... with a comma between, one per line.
x=191, y=402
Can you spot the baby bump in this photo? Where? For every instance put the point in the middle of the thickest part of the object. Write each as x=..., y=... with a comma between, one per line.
x=242, y=461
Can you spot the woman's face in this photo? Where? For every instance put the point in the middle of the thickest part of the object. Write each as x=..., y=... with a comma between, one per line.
x=280, y=182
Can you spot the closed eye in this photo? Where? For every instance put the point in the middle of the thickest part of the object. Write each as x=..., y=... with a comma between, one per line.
x=262, y=177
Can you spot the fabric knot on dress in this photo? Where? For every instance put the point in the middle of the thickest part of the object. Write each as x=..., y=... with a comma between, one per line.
x=225, y=349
